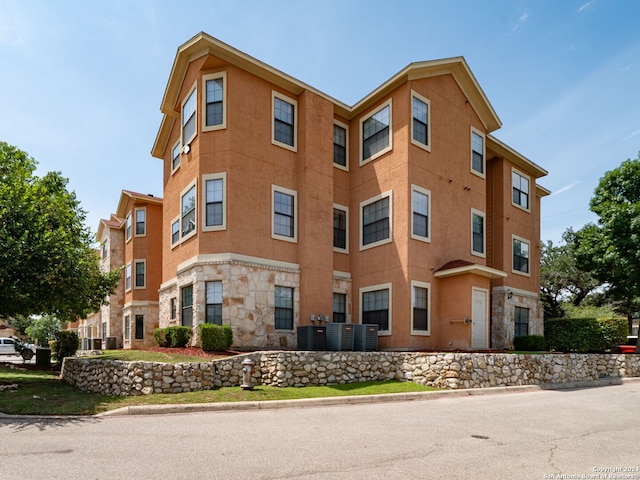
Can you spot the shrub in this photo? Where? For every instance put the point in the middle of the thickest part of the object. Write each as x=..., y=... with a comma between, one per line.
x=160, y=334
x=215, y=338
x=530, y=343
x=66, y=345
x=584, y=334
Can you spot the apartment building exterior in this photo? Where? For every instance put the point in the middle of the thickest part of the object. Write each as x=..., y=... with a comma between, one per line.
x=130, y=240
x=283, y=205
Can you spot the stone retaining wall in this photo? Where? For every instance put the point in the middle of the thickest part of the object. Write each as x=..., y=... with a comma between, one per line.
x=297, y=369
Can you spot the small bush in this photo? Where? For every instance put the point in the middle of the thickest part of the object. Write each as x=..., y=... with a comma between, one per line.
x=215, y=338
x=66, y=345
x=584, y=334
x=530, y=343
x=160, y=334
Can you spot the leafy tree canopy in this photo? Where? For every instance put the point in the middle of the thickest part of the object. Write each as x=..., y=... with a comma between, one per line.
x=611, y=248
x=47, y=261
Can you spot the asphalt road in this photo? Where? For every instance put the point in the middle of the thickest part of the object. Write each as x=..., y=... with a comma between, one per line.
x=539, y=434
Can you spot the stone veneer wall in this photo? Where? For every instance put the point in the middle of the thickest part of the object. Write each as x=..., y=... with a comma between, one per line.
x=285, y=369
x=503, y=303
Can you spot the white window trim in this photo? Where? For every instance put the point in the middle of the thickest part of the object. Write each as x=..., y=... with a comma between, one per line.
x=128, y=268
x=274, y=235
x=373, y=288
x=134, y=274
x=416, y=283
x=482, y=174
x=426, y=192
x=516, y=171
x=346, y=127
x=171, y=242
x=177, y=144
x=388, y=193
x=192, y=90
x=364, y=118
x=423, y=99
x=346, y=210
x=528, y=242
x=293, y=102
x=484, y=232
x=205, y=79
x=214, y=176
x=135, y=221
x=194, y=183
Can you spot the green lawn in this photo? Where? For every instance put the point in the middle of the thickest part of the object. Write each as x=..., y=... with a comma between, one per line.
x=43, y=393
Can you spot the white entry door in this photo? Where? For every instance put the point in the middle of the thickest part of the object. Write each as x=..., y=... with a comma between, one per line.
x=479, y=330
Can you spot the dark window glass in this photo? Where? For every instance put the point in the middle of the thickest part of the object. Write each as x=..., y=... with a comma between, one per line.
x=520, y=256
x=187, y=306
x=520, y=190
x=189, y=211
x=284, y=122
x=375, y=221
x=214, y=102
x=339, y=145
x=139, y=327
x=140, y=274
x=175, y=232
x=521, y=319
x=175, y=157
x=283, y=214
x=174, y=308
x=189, y=118
x=127, y=227
x=214, y=302
x=284, y=308
x=339, y=308
x=214, y=207
x=127, y=327
x=420, y=117
x=339, y=228
x=375, y=308
x=420, y=214
x=420, y=309
x=375, y=133
x=477, y=155
x=140, y=222
x=478, y=233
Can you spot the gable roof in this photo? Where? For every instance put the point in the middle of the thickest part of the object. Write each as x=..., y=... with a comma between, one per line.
x=204, y=44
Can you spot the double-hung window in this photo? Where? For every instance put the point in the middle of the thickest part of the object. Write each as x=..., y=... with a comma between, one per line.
x=284, y=203
x=339, y=308
x=340, y=145
x=140, y=273
x=477, y=233
x=186, y=307
x=175, y=232
x=284, y=121
x=420, y=312
x=105, y=249
x=173, y=308
x=127, y=327
x=188, y=212
x=127, y=227
x=375, y=219
x=213, y=296
x=520, y=255
x=189, y=117
x=420, y=125
x=376, y=133
x=214, y=101
x=140, y=222
x=340, y=219
x=175, y=156
x=214, y=201
x=283, y=308
x=477, y=152
x=521, y=320
x=520, y=189
x=375, y=307
x=127, y=277
x=421, y=207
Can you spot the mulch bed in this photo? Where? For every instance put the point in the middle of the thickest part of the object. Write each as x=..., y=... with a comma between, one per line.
x=192, y=351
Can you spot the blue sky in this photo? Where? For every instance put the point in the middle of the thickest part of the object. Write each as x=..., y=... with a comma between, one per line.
x=81, y=82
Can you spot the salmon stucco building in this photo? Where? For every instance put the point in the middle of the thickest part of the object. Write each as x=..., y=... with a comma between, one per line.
x=283, y=205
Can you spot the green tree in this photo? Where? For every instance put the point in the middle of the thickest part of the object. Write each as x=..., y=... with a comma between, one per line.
x=44, y=329
x=47, y=261
x=611, y=248
x=562, y=281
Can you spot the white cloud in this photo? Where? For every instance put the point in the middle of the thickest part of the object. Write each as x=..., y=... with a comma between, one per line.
x=521, y=20
x=585, y=6
x=632, y=134
x=565, y=188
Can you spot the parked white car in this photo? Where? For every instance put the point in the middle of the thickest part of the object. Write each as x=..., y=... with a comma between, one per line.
x=8, y=347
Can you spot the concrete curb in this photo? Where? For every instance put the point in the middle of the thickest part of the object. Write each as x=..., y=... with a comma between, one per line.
x=354, y=399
